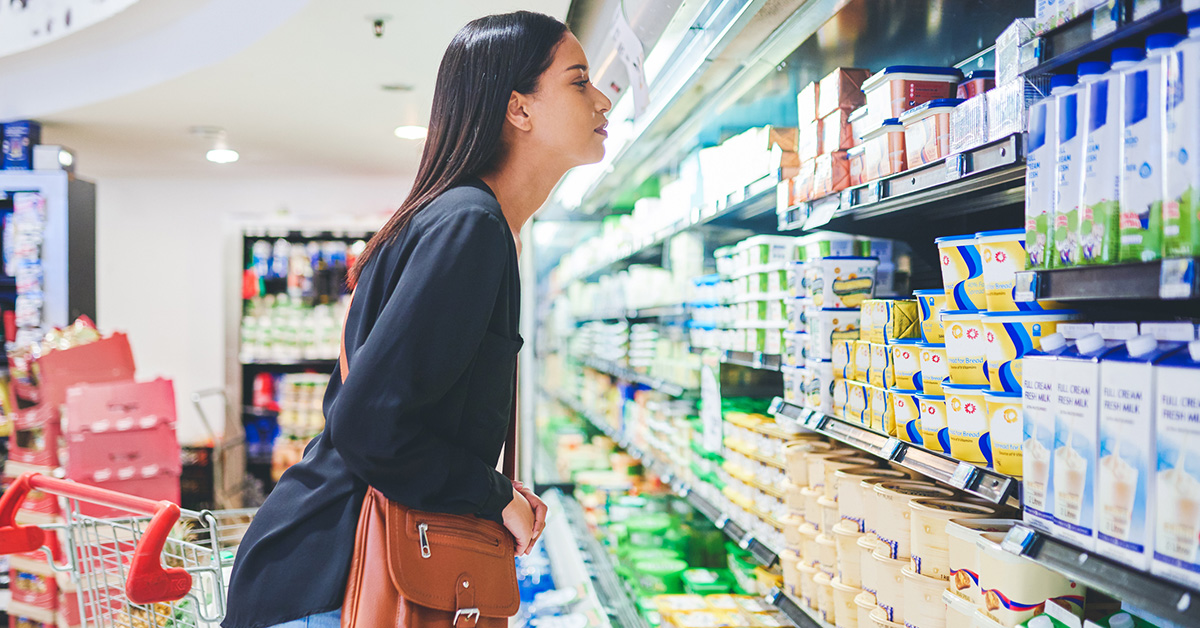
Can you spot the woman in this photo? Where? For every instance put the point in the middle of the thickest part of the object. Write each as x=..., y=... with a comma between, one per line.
x=431, y=335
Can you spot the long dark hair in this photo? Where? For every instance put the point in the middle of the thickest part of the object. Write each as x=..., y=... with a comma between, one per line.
x=488, y=60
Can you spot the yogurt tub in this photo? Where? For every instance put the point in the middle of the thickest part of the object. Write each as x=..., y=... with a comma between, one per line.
x=962, y=273
x=964, y=554
x=827, y=554
x=906, y=364
x=931, y=304
x=825, y=602
x=1003, y=254
x=898, y=88
x=865, y=603
x=1012, y=335
x=935, y=367
x=958, y=611
x=851, y=493
x=810, y=552
x=927, y=131
x=812, y=509
x=890, y=580
x=906, y=412
x=791, y=531
x=1007, y=431
x=846, y=612
x=871, y=503
x=829, y=514
x=837, y=463
x=862, y=359
x=795, y=456
x=879, y=619
x=848, y=567
x=892, y=514
x=808, y=586
x=866, y=564
x=966, y=347
x=935, y=432
x=816, y=467
x=788, y=562
x=844, y=282
x=967, y=421
x=841, y=394
x=1014, y=588
x=930, y=541
x=980, y=619
x=923, y=603
x=793, y=498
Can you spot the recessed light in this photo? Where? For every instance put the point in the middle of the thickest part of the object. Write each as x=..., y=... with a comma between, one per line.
x=411, y=132
x=396, y=87
x=222, y=156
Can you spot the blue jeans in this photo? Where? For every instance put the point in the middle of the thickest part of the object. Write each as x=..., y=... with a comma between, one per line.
x=332, y=619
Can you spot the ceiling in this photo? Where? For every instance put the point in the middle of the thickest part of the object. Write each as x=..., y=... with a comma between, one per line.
x=304, y=99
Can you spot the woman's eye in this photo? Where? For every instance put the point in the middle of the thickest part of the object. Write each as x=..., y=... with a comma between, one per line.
x=583, y=83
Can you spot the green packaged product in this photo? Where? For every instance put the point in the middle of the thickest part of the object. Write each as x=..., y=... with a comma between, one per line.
x=648, y=530
x=1126, y=620
x=706, y=581
x=658, y=577
x=1181, y=225
x=1098, y=233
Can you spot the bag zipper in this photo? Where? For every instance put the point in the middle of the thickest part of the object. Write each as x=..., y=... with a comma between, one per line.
x=444, y=529
x=421, y=531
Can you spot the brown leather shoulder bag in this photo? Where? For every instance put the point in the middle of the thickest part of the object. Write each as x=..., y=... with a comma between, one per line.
x=415, y=569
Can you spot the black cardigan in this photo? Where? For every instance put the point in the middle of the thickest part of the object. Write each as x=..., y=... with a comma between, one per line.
x=431, y=339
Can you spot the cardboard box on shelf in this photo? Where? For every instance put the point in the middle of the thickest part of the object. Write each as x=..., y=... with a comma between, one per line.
x=809, y=140
x=831, y=173
x=841, y=89
x=836, y=133
x=806, y=104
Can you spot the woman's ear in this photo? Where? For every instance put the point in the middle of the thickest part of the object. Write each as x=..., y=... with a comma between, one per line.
x=518, y=112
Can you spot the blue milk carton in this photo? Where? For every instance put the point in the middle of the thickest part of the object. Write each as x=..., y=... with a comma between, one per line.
x=1037, y=387
x=1177, y=478
x=1127, y=454
x=19, y=139
x=1076, y=435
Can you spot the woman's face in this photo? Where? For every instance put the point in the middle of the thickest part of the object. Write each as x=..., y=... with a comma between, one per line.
x=567, y=111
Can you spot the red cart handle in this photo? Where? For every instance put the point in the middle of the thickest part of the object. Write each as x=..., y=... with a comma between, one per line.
x=148, y=581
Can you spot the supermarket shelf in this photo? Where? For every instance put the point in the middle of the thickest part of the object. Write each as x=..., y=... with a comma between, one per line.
x=763, y=553
x=1166, y=599
x=299, y=363
x=629, y=375
x=1072, y=42
x=990, y=176
x=796, y=611
x=753, y=359
x=642, y=314
x=1164, y=279
x=589, y=565
x=964, y=476
x=755, y=201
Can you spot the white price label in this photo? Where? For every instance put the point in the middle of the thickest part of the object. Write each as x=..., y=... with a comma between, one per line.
x=954, y=167
x=1026, y=286
x=891, y=448
x=776, y=405
x=1177, y=278
x=963, y=474
x=1017, y=539
x=745, y=542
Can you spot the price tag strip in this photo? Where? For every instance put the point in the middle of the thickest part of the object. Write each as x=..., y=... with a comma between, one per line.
x=963, y=475
x=891, y=448
x=1177, y=278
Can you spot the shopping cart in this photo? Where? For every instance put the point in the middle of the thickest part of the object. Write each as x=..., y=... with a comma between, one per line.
x=134, y=562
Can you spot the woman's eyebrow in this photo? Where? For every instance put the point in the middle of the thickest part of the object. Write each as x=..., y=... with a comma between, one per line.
x=578, y=66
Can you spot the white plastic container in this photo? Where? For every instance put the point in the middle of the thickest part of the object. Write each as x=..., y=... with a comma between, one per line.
x=852, y=494
x=827, y=553
x=849, y=566
x=1142, y=192
x=1099, y=223
x=845, y=610
x=865, y=603
x=1181, y=175
x=842, y=282
x=966, y=347
x=958, y=611
x=923, y=606
x=810, y=552
x=866, y=563
x=964, y=555
x=1177, y=480
x=825, y=601
x=930, y=539
x=893, y=515
x=832, y=465
x=829, y=514
x=871, y=514
x=795, y=456
x=890, y=580
x=1007, y=431
x=833, y=325
x=808, y=586
x=1013, y=587
x=898, y=88
x=879, y=618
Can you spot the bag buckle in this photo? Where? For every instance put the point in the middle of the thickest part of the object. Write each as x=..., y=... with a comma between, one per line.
x=472, y=615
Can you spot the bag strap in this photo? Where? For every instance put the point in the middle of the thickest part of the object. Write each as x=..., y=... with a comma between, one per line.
x=509, y=467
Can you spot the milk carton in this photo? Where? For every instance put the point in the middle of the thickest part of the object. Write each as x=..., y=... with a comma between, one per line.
x=1099, y=219
x=1177, y=478
x=1127, y=454
x=1045, y=15
x=1076, y=429
x=1181, y=165
x=1170, y=331
x=1075, y=331
x=1142, y=191
x=1037, y=384
x=1072, y=108
x=1041, y=156
x=1116, y=333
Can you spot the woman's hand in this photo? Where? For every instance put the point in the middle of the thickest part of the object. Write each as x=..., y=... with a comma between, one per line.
x=539, y=509
x=518, y=518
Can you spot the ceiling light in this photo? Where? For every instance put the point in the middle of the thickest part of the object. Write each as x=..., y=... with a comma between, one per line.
x=222, y=156
x=411, y=132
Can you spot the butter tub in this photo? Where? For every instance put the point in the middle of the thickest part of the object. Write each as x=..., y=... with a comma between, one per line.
x=842, y=282
x=879, y=372
x=880, y=411
x=831, y=325
x=1009, y=336
x=930, y=538
x=1006, y=424
x=963, y=554
x=862, y=360
x=1003, y=254
x=906, y=365
x=852, y=493
x=891, y=320
x=934, y=431
x=966, y=347
x=968, y=424
x=906, y=412
x=843, y=359
x=935, y=368
x=962, y=273
x=931, y=303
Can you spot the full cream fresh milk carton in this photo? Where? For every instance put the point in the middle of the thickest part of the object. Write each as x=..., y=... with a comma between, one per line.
x=1127, y=454
x=1142, y=191
x=1072, y=107
x=1177, y=476
x=1099, y=218
x=1076, y=432
x=1037, y=387
x=1040, y=156
x=1181, y=165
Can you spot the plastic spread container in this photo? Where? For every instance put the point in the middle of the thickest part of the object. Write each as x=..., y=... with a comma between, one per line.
x=927, y=131
x=975, y=83
x=879, y=619
x=966, y=347
x=923, y=600
x=935, y=432
x=1006, y=427
x=852, y=494
x=963, y=554
x=833, y=464
x=959, y=612
x=866, y=564
x=931, y=302
x=1014, y=588
x=808, y=587
x=892, y=514
x=931, y=541
x=906, y=410
x=935, y=367
x=1003, y=254
x=1012, y=335
x=825, y=597
x=890, y=580
x=881, y=154
x=827, y=553
x=899, y=88
x=795, y=455
x=849, y=569
x=845, y=611
x=967, y=421
x=962, y=273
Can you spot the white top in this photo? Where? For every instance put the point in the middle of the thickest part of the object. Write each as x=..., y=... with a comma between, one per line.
x=1090, y=343
x=1141, y=345
x=1053, y=342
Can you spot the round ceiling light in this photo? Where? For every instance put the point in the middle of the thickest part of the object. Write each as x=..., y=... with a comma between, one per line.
x=411, y=132
x=222, y=155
